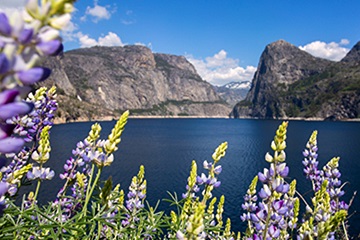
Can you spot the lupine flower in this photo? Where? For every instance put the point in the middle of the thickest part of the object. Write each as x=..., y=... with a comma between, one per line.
x=23, y=39
x=11, y=106
x=192, y=187
x=310, y=162
x=40, y=173
x=136, y=196
x=327, y=179
x=274, y=213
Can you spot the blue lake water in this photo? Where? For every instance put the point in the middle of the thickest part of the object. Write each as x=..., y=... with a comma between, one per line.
x=166, y=148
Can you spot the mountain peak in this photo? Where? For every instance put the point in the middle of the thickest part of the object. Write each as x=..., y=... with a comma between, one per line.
x=353, y=57
x=281, y=64
x=280, y=42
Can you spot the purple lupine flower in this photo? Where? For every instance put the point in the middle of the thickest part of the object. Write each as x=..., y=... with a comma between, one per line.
x=273, y=231
x=15, y=108
x=26, y=35
x=50, y=48
x=270, y=217
x=4, y=64
x=5, y=28
x=280, y=207
x=310, y=162
x=33, y=75
x=10, y=107
x=40, y=173
x=11, y=145
x=265, y=192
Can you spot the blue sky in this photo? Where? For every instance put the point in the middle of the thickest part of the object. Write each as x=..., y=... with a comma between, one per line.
x=222, y=38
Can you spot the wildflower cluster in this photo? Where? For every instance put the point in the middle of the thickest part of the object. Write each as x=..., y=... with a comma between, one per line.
x=24, y=37
x=275, y=212
x=34, y=125
x=327, y=186
x=196, y=219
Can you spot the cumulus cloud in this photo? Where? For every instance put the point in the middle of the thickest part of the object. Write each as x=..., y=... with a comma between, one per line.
x=98, y=12
x=69, y=32
x=111, y=39
x=331, y=51
x=220, y=69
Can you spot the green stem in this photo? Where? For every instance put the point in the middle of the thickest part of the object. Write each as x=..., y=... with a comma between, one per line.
x=37, y=186
x=267, y=220
x=345, y=232
x=37, y=189
x=89, y=193
x=89, y=183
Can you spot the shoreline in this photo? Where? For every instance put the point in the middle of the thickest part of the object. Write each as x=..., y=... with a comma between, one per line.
x=113, y=118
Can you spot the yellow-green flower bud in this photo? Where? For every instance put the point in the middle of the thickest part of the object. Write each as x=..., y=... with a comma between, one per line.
x=333, y=163
x=193, y=174
x=114, y=137
x=196, y=222
x=39, y=94
x=220, y=152
x=121, y=198
x=173, y=218
x=252, y=187
x=210, y=209
x=220, y=210
x=227, y=233
x=292, y=188
x=18, y=174
x=52, y=91
x=80, y=179
x=313, y=137
x=42, y=154
x=94, y=133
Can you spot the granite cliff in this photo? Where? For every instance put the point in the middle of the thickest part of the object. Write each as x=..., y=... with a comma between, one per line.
x=103, y=81
x=290, y=83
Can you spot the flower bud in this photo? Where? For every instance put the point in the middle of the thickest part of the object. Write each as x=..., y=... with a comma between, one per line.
x=60, y=22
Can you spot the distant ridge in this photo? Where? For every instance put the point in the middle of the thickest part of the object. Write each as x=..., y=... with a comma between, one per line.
x=233, y=92
x=103, y=81
x=291, y=83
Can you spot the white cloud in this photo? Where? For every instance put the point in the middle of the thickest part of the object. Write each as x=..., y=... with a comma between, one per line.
x=220, y=69
x=98, y=12
x=111, y=39
x=331, y=51
x=68, y=33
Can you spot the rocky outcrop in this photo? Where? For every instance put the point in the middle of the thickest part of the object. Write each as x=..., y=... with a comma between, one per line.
x=113, y=79
x=353, y=57
x=292, y=83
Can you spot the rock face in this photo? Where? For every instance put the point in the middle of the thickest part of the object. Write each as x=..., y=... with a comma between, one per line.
x=113, y=79
x=353, y=57
x=292, y=83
